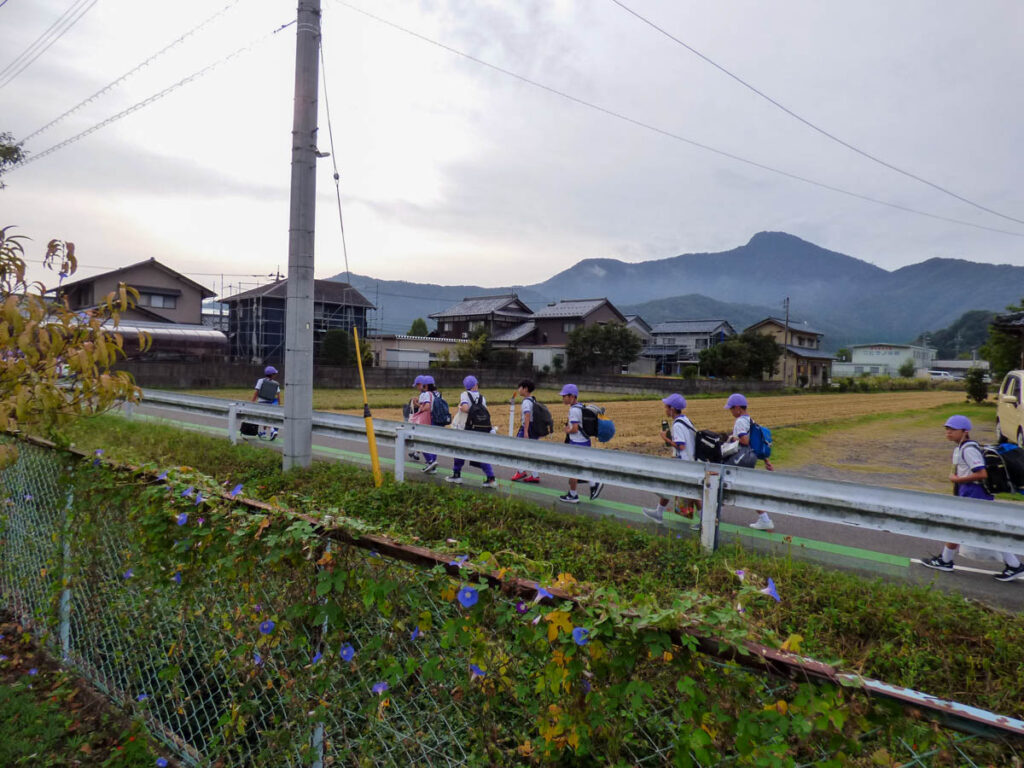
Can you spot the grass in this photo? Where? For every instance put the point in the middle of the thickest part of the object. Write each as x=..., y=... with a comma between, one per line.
x=904, y=634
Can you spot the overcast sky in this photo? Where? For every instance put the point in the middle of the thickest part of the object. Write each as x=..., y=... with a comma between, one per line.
x=454, y=173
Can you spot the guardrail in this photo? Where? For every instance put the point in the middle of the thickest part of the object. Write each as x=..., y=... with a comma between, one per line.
x=987, y=524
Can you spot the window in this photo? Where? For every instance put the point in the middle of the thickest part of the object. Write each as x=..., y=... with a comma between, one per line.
x=475, y=325
x=569, y=326
x=702, y=344
x=670, y=340
x=447, y=326
x=158, y=301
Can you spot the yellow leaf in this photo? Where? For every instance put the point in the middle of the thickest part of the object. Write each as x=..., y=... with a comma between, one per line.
x=792, y=643
x=264, y=524
x=667, y=656
x=525, y=749
x=449, y=593
x=326, y=558
x=574, y=739
x=558, y=620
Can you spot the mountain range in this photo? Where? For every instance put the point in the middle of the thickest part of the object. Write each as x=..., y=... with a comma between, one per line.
x=849, y=300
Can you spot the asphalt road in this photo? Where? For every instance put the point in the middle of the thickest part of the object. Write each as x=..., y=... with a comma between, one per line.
x=872, y=553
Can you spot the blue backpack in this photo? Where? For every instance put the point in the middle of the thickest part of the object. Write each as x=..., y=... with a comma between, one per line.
x=760, y=440
x=440, y=413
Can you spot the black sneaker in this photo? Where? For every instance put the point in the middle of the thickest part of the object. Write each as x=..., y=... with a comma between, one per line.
x=570, y=498
x=595, y=490
x=938, y=563
x=1009, y=574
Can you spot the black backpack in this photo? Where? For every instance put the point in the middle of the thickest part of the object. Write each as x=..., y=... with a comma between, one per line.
x=591, y=417
x=541, y=424
x=998, y=478
x=478, y=418
x=268, y=390
x=707, y=446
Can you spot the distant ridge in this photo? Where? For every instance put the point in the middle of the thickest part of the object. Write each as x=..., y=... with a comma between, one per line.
x=849, y=299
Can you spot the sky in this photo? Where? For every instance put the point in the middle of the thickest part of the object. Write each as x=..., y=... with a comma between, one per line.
x=454, y=173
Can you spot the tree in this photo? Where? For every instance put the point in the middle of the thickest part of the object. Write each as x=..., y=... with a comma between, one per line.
x=975, y=386
x=843, y=355
x=750, y=355
x=54, y=362
x=336, y=347
x=602, y=347
x=418, y=328
x=1002, y=349
x=10, y=155
x=475, y=352
x=908, y=369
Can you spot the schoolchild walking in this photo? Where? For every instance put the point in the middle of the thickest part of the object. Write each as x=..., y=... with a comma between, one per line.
x=575, y=437
x=471, y=397
x=742, y=454
x=268, y=392
x=679, y=433
x=413, y=406
x=967, y=476
x=424, y=404
x=525, y=391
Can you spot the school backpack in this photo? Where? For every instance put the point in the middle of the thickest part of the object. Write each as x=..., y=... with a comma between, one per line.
x=1013, y=458
x=998, y=478
x=594, y=423
x=707, y=446
x=541, y=424
x=440, y=413
x=268, y=390
x=478, y=418
x=760, y=440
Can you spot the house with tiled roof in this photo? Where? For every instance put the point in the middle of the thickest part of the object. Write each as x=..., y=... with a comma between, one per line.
x=676, y=344
x=494, y=314
x=802, y=363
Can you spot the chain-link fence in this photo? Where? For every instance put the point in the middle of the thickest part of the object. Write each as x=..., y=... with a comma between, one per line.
x=256, y=667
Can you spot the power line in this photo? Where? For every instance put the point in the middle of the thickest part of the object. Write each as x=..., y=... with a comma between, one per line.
x=155, y=97
x=809, y=124
x=133, y=70
x=334, y=160
x=675, y=136
x=55, y=32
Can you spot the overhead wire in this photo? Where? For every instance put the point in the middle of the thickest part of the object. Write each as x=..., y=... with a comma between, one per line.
x=334, y=156
x=672, y=135
x=813, y=126
x=173, y=44
x=55, y=32
x=155, y=97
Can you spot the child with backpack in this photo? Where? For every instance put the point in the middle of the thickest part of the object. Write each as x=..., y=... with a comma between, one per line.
x=739, y=452
x=424, y=409
x=681, y=435
x=967, y=476
x=268, y=392
x=409, y=409
x=477, y=418
x=532, y=428
x=575, y=436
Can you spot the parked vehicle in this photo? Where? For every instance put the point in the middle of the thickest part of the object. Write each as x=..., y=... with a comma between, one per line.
x=941, y=376
x=1010, y=410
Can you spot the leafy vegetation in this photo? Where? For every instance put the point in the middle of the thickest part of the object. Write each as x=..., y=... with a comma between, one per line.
x=602, y=348
x=965, y=335
x=975, y=386
x=418, y=328
x=748, y=355
x=10, y=155
x=1002, y=349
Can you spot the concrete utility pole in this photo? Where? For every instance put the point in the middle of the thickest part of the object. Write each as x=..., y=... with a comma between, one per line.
x=298, y=354
x=785, y=352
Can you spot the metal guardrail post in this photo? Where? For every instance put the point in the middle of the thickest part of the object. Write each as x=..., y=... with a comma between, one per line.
x=400, y=455
x=128, y=409
x=233, y=423
x=65, y=593
x=711, y=509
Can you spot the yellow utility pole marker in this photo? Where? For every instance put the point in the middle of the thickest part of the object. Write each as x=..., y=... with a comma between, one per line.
x=367, y=416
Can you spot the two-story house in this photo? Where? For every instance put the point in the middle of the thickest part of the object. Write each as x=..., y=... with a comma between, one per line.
x=802, y=363
x=494, y=314
x=676, y=344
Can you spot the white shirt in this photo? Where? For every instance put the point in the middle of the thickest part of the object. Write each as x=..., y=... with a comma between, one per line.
x=683, y=432
x=527, y=407
x=426, y=396
x=576, y=417
x=967, y=459
x=467, y=398
x=742, y=426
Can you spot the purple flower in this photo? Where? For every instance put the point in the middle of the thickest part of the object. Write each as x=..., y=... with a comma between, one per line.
x=201, y=520
x=536, y=619
x=475, y=672
x=199, y=498
x=267, y=627
x=258, y=607
x=33, y=672
x=142, y=697
x=177, y=577
x=771, y=591
x=187, y=492
x=380, y=688
x=162, y=476
x=235, y=491
x=415, y=634
x=98, y=451
x=542, y=593
x=257, y=659
x=741, y=575
x=317, y=657
x=521, y=607
x=468, y=597
x=129, y=573
x=3, y=657
x=347, y=652
x=586, y=686
x=28, y=497
x=182, y=518
x=579, y=635
x=459, y=561
x=161, y=762
x=740, y=608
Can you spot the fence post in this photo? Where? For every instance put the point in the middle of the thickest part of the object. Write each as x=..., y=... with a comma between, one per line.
x=711, y=508
x=400, y=455
x=233, y=423
x=65, y=593
x=317, y=740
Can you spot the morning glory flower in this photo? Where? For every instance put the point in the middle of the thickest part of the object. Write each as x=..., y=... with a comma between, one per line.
x=28, y=497
x=459, y=561
x=380, y=688
x=267, y=627
x=347, y=652
x=468, y=597
x=258, y=607
x=3, y=657
x=741, y=575
x=162, y=476
x=542, y=593
x=33, y=671
x=235, y=491
x=536, y=619
x=177, y=577
x=129, y=573
x=475, y=672
x=199, y=498
x=317, y=657
x=187, y=492
x=257, y=659
x=740, y=608
x=201, y=520
x=521, y=607
x=161, y=762
x=142, y=697
x=579, y=635
x=771, y=591
x=182, y=518
x=96, y=461
x=415, y=633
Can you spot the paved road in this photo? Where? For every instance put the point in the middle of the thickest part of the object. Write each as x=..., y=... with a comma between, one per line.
x=873, y=553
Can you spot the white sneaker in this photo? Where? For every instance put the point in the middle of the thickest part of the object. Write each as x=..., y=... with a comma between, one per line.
x=654, y=514
x=430, y=469
x=490, y=483
x=457, y=479
x=763, y=525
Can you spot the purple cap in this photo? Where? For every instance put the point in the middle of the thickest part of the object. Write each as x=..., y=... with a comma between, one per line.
x=469, y=382
x=958, y=422
x=269, y=371
x=570, y=389
x=676, y=401
x=418, y=380
x=734, y=400
x=428, y=380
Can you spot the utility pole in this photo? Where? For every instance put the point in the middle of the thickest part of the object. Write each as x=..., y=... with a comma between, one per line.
x=298, y=354
x=785, y=352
